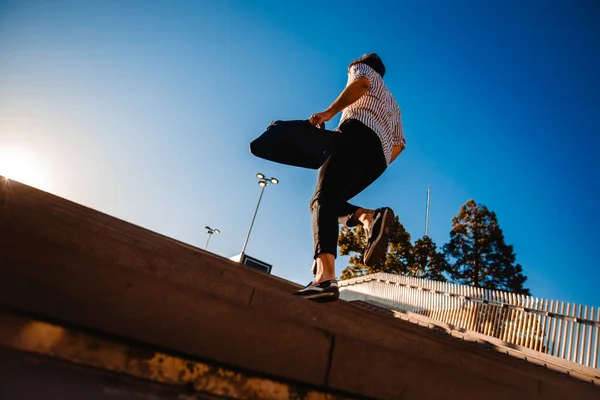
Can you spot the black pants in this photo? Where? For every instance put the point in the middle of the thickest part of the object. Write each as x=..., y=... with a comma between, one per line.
x=357, y=161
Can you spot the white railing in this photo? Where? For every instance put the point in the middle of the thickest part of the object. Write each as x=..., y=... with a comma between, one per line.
x=567, y=331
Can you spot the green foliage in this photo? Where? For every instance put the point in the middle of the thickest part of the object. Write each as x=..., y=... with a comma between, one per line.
x=477, y=253
x=428, y=262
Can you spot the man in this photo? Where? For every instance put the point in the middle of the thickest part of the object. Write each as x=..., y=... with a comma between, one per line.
x=371, y=137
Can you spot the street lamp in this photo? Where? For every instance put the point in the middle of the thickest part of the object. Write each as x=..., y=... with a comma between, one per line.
x=210, y=231
x=262, y=182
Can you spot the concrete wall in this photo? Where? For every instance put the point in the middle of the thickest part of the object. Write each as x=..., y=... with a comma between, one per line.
x=80, y=269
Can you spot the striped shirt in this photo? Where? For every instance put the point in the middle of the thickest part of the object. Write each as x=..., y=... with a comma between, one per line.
x=377, y=109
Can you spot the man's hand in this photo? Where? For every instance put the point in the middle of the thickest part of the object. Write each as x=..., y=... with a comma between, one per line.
x=318, y=118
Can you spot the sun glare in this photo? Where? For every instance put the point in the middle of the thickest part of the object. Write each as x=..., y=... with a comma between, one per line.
x=17, y=165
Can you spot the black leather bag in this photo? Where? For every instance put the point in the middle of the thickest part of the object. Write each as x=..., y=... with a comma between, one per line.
x=297, y=143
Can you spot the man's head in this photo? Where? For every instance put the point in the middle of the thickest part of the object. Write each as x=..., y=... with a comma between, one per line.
x=373, y=61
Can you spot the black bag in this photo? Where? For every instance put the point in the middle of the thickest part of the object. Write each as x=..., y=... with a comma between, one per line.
x=297, y=143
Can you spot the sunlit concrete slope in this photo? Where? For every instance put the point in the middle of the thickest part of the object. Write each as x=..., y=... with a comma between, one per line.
x=102, y=300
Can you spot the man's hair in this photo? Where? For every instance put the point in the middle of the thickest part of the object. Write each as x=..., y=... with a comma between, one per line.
x=373, y=61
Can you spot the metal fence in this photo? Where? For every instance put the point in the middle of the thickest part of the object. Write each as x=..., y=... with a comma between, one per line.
x=560, y=329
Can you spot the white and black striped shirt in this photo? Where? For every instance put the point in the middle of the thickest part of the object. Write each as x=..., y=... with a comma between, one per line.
x=377, y=109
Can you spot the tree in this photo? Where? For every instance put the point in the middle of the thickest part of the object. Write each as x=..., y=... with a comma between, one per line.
x=398, y=259
x=428, y=262
x=477, y=253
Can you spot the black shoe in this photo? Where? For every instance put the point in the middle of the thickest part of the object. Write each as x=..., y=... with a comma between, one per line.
x=379, y=236
x=320, y=292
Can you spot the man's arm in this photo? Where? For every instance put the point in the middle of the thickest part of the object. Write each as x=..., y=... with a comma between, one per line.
x=351, y=93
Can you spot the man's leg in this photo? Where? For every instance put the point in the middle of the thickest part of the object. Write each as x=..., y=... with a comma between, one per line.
x=325, y=205
x=377, y=223
x=357, y=163
x=329, y=198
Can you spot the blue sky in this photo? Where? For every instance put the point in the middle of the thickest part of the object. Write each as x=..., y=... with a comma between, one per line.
x=144, y=110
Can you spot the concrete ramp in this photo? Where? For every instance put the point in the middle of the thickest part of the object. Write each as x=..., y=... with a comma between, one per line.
x=123, y=310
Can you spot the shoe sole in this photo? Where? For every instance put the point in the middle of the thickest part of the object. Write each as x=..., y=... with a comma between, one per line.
x=322, y=297
x=376, y=252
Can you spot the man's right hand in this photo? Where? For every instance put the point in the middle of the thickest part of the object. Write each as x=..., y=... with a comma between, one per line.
x=318, y=118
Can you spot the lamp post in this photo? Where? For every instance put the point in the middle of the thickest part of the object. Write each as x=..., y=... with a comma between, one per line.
x=262, y=182
x=210, y=231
